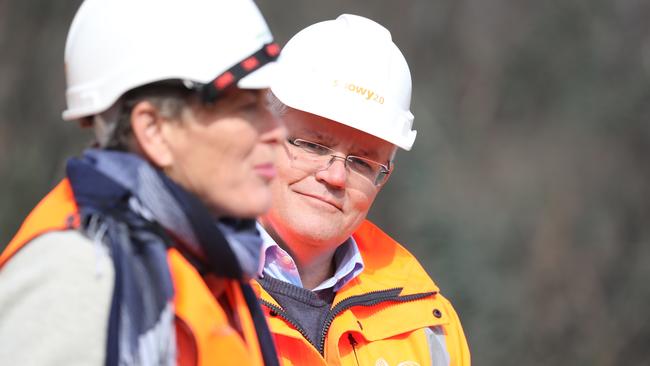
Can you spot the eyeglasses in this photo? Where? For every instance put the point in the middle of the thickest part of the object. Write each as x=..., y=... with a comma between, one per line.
x=312, y=156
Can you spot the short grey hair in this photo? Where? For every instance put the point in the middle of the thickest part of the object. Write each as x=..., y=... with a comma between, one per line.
x=113, y=126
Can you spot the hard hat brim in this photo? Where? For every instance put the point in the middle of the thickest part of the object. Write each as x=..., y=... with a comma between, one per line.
x=260, y=78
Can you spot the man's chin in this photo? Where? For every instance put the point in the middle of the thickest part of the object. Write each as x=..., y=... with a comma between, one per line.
x=320, y=233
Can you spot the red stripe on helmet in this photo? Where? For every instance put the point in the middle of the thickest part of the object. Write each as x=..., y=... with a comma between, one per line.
x=224, y=80
x=250, y=63
x=273, y=49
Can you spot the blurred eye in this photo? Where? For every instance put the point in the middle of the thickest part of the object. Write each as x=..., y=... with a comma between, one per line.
x=247, y=100
x=251, y=103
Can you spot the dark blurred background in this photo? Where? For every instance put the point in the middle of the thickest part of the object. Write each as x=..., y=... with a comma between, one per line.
x=526, y=196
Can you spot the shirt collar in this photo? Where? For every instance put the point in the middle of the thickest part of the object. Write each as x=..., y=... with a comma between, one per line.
x=277, y=263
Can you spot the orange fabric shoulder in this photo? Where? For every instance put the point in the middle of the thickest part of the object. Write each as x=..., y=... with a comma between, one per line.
x=57, y=211
x=388, y=262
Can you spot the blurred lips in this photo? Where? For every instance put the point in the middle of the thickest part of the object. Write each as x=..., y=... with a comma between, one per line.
x=265, y=170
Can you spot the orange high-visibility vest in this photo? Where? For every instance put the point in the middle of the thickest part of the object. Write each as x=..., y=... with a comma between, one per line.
x=203, y=333
x=388, y=333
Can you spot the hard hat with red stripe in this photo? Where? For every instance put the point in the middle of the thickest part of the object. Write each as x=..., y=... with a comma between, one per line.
x=350, y=71
x=114, y=46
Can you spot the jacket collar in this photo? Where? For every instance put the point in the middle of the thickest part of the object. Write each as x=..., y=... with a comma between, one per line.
x=387, y=265
x=391, y=272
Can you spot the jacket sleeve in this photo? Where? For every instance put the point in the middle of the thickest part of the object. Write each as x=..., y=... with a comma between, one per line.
x=455, y=338
x=55, y=296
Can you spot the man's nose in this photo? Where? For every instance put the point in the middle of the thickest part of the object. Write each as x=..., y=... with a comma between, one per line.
x=335, y=173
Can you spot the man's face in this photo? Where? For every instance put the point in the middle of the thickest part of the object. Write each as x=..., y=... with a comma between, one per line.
x=225, y=153
x=318, y=209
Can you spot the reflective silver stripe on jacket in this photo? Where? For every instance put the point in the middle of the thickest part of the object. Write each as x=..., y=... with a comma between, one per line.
x=437, y=346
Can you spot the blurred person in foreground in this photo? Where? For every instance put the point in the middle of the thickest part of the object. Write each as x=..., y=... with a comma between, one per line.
x=335, y=288
x=143, y=254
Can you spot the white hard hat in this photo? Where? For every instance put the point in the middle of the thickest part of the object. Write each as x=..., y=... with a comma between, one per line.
x=350, y=71
x=114, y=46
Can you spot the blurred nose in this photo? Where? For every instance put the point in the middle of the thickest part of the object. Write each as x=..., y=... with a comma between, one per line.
x=335, y=173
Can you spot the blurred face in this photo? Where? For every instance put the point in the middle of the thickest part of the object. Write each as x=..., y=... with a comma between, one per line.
x=224, y=153
x=316, y=209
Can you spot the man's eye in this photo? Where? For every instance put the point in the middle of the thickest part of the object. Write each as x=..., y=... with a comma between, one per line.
x=361, y=165
x=313, y=147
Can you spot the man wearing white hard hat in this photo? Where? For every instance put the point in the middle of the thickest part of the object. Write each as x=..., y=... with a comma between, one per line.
x=143, y=254
x=336, y=289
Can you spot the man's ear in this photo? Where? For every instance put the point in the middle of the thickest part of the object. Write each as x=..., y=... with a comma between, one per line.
x=147, y=125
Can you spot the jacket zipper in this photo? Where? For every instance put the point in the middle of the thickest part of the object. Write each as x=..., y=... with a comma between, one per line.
x=283, y=314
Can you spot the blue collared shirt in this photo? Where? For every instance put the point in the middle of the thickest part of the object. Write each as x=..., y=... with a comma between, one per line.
x=277, y=263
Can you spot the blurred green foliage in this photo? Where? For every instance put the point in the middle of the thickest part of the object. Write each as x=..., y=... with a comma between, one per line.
x=526, y=196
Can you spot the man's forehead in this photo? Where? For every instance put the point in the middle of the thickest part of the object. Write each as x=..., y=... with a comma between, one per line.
x=334, y=134
x=318, y=126
x=323, y=137
x=321, y=130
x=336, y=139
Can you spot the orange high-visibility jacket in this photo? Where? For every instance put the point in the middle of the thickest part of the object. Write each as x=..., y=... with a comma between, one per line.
x=371, y=323
x=203, y=333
